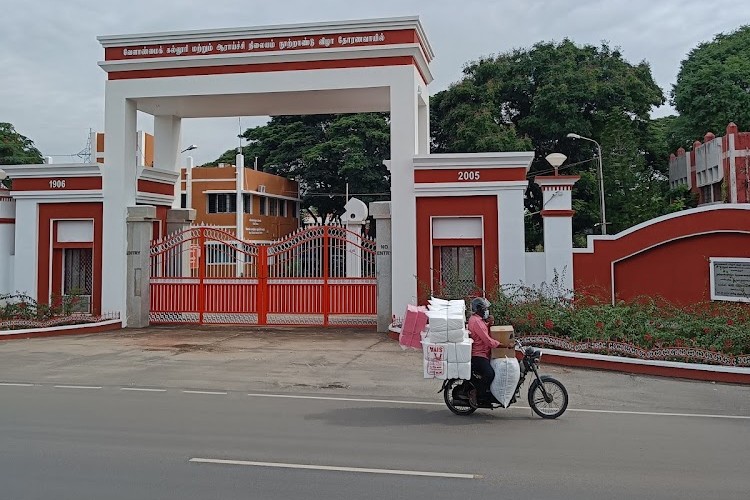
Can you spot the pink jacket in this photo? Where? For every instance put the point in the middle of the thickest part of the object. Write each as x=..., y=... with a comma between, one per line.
x=483, y=343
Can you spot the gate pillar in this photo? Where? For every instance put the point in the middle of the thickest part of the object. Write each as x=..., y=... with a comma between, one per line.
x=381, y=212
x=140, y=225
x=179, y=219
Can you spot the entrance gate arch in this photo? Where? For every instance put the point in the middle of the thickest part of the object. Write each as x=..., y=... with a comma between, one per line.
x=322, y=275
x=380, y=65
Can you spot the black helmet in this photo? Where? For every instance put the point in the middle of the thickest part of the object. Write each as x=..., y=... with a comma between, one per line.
x=479, y=305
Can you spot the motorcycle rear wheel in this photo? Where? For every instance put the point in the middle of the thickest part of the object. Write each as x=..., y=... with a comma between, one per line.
x=457, y=406
x=556, y=391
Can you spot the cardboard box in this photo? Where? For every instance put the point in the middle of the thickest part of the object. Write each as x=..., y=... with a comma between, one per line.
x=505, y=335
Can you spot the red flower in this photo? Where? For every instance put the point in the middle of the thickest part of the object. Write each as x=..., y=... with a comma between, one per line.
x=730, y=322
x=22, y=305
x=599, y=325
x=728, y=344
x=530, y=317
x=648, y=338
x=549, y=325
x=679, y=343
x=706, y=330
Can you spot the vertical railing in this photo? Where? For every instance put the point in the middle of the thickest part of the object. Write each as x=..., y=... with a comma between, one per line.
x=326, y=294
x=202, y=274
x=262, y=294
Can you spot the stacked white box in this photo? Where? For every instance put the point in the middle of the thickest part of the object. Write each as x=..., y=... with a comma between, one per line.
x=446, y=344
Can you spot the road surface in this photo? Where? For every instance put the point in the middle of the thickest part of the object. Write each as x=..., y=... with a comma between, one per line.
x=113, y=442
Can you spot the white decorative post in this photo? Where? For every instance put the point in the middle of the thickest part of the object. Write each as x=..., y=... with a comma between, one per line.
x=557, y=214
x=354, y=218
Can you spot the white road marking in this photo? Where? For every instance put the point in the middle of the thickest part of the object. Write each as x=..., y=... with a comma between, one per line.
x=206, y=392
x=525, y=408
x=657, y=414
x=358, y=400
x=142, y=389
x=11, y=384
x=394, y=472
x=78, y=387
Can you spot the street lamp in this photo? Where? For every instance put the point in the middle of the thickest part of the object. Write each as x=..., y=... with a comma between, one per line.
x=189, y=148
x=601, y=178
x=556, y=159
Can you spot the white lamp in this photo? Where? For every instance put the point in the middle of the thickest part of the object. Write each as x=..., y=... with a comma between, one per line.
x=556, y=159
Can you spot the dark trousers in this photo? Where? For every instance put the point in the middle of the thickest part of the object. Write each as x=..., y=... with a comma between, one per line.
x=481, y=366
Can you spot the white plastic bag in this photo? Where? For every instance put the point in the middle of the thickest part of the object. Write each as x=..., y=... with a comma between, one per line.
x=507, y=375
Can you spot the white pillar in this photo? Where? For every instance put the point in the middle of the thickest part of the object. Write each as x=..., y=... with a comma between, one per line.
x=403, y=202
x=511, y=236
x=557, y=214
x=25, y=260
x=423, y=119
x=119, y=188
x=240, y=215
x=167, y=133
x=7, y=242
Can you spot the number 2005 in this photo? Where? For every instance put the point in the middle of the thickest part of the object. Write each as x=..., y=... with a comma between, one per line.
x=468, y=175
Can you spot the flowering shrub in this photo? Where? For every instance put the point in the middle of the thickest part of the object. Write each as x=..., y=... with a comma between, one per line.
x=645, y=322
x=20, y=309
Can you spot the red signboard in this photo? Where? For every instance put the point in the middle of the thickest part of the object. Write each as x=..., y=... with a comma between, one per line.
x=265, y=44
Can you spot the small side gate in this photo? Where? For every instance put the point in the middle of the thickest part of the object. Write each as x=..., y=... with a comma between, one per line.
x=322, y=275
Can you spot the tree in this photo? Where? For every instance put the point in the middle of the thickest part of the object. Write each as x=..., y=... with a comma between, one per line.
x=533, y=98
x=324, y=153
x=713, y=86
x=16, y=149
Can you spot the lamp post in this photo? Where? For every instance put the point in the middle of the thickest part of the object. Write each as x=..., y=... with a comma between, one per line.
x=189, y=177
x=601, y=178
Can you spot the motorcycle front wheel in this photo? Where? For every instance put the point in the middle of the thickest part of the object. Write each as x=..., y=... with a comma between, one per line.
x=457, y=398
x=558, y=397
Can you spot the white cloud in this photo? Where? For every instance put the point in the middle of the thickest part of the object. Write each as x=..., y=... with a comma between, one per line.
x=52, y=90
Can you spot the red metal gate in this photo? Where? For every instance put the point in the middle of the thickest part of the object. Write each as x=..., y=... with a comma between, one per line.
x=317, y=276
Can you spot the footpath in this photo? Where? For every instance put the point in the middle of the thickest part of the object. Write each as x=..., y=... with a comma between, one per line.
x=337, y=362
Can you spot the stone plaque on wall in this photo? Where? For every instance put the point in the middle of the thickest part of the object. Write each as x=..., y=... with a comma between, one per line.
x=730, y=279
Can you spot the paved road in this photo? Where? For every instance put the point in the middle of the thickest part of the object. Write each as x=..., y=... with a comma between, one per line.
x=74, y=443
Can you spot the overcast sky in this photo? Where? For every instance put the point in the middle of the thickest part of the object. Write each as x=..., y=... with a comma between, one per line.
x=52, y=90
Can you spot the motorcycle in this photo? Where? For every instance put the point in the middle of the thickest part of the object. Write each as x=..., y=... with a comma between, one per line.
x=547, y=396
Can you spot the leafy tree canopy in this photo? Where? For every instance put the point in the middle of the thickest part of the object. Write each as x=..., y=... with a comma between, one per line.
x=16, y=149
x=713, y=86
x=532, y=98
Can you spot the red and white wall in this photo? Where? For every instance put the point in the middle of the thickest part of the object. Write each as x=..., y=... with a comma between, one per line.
x=668, y=257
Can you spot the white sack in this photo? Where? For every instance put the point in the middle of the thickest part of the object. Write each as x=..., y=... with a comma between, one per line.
x=507, y=375
x=459, y=370
x=459, y=352
x=434, y=351
x=445, y=321
x=457, y=336
x=435, y=369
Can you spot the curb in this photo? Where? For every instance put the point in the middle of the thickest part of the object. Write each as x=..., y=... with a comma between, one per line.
x=82, y=329
x=669, y=369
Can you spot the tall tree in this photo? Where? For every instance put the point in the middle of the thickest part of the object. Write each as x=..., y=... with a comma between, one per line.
x=324, y=153
x=16, y=149
x=713, y=85
x=539, y=95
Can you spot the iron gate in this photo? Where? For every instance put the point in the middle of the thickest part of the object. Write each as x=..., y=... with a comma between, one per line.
x=321, y=275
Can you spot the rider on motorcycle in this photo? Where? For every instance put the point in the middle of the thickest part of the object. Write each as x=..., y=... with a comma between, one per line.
x=481, y=349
